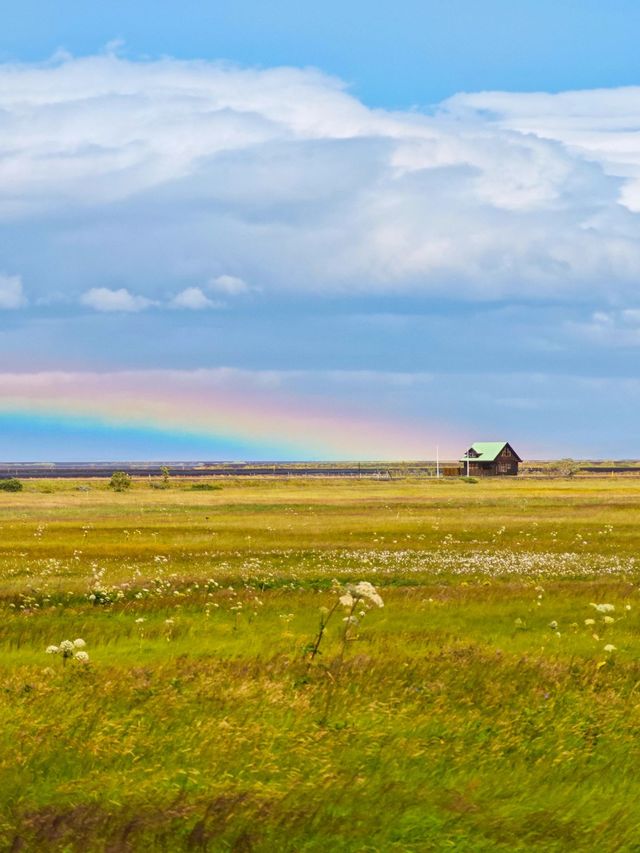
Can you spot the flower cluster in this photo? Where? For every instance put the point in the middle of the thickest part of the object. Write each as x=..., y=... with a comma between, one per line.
x=70, y=649
x=362, y=595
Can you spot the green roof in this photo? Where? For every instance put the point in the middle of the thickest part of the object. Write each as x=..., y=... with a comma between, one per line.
x=486, y=450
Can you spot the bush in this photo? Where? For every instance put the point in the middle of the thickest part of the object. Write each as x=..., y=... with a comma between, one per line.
x=10, y=485
x=120, y=481
x=469, y=479
x=204, y=487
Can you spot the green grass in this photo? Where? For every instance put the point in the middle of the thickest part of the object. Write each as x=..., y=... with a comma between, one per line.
x=462, y=717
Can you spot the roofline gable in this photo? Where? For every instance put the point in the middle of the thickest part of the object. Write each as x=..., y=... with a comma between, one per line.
x=492, y=449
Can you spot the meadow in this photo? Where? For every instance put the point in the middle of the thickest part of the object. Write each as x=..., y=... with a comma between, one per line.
x=491, y=704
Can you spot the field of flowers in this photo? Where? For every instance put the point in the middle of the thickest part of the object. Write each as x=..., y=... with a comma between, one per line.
x=314, y=665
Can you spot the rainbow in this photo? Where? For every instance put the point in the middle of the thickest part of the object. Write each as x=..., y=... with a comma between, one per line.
x=247, y=411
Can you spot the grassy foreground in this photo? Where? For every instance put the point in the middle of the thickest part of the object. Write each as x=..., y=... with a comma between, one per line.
x=489, y=705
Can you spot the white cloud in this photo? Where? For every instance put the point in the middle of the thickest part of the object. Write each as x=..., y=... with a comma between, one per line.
x=104, y=299
x=601, y=125
x=176, y=171
x=194, y=299
x=610, y=328
x=230, y=285
x=11, y=292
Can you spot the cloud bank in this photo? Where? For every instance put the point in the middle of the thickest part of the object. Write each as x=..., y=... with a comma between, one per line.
x=193, y=178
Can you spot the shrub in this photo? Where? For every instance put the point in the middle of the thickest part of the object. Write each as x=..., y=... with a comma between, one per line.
x=10, y=485
x=469, y=479
x=204, y=487
x=120, y=481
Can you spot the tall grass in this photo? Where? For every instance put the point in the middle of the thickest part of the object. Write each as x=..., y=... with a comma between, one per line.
x=478, y=710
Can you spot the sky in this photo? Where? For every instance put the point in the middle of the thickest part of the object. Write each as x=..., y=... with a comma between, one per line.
x=352, y=231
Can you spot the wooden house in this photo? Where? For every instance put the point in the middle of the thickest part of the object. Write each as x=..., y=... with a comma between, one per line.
x=490, y=459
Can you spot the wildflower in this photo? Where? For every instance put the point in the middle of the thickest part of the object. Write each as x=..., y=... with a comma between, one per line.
x=140, y=620
x=589, y=621
x=608, y=620
x=52, y=650
x=604, y=608
x=553, y=625
x=66, y=648
x=82, y=657
x=347, y=600
x=609, y=648
x=364, y=589
x=79, y=643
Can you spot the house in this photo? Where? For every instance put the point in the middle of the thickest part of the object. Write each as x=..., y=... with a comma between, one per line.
x=490, y=459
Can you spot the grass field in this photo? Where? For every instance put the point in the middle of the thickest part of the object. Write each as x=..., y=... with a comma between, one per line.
x=489, y=705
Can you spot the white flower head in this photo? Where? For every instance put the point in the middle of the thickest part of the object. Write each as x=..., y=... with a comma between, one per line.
x=82, y=657
x=66, y=648
x=604, y=608
x=589, y=621
x=366, y=590
x=52, y=650
x=553, y=625
x=347, y=600
x=608, y=620
x=609, y=648
x=79, y=643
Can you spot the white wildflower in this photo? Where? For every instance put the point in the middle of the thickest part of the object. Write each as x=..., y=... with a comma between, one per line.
x=347, y=600
x=609, y=648
x=79, y=643
x=553, y=625
x=66, y=648
x=608, y=620
x=589, y=621
x=604, y=608
x=82, y=657
x=52, y=650
x=364, y=589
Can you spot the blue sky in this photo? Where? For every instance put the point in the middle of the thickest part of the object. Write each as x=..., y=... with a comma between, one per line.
x=404, y=53
x=427, y=211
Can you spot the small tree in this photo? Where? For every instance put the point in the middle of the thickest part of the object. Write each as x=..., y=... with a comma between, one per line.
x=120, y=481
x=10, y=485
x=165, y=475
x=567, y=467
